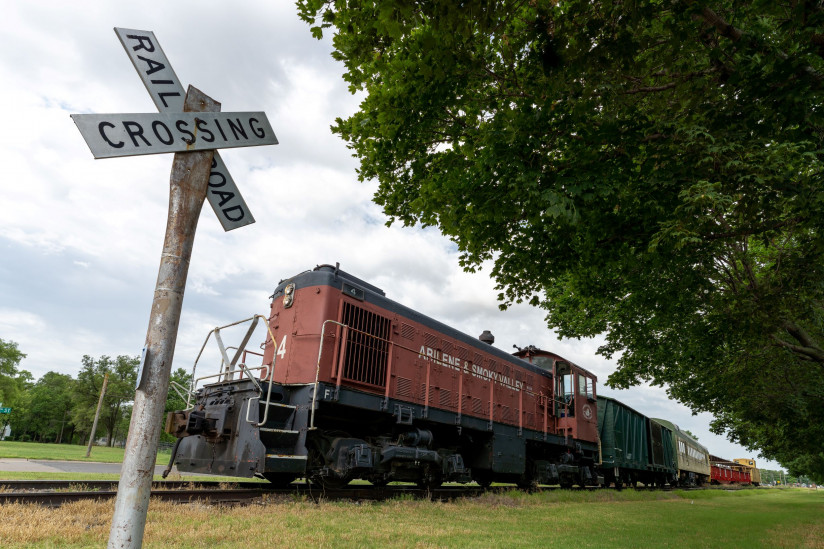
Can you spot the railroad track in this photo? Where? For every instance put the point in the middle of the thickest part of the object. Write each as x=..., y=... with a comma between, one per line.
x=55, y=493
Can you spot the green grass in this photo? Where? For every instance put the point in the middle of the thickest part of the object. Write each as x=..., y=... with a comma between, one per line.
x=67, y=452
x=569, y=519
x=745, y=519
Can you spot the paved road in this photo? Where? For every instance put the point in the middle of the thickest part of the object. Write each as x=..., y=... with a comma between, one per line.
x=49, y=466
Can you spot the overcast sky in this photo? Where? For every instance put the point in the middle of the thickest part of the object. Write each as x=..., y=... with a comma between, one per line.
x=81, y=238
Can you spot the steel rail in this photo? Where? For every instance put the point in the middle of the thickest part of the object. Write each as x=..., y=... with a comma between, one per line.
x=43, y=492
x=55, y=499
x=87, y=485
x=227, y=496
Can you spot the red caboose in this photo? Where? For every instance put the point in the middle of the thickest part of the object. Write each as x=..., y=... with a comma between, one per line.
x=363, y=387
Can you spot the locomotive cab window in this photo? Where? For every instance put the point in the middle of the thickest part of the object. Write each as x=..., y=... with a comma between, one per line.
x=586, y=387
x=543, y=362
x=566, y=389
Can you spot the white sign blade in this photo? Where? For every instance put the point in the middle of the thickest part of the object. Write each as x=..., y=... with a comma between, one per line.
x=154, y=68
x=115, y=135
x=225, y=198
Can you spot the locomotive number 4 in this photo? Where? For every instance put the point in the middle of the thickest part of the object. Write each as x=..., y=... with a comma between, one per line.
x=282, y=348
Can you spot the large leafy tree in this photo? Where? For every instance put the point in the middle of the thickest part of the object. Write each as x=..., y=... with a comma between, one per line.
x=49, y=406
x=647, y=170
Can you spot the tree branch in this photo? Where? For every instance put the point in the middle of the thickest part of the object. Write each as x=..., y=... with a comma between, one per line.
x=726, y=30
x=808, y=348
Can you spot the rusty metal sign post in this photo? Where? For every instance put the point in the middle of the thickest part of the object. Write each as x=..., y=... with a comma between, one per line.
x=197, y=174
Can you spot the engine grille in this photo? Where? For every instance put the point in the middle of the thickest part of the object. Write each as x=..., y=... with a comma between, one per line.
x=367, y=347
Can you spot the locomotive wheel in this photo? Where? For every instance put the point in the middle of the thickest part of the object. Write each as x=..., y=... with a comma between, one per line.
x=566, y=481
x=330, y=483
x=530, y=485
x=484, y=480
x=527, y=482
x=279, y=480
x=431, y=479
x=317, y=464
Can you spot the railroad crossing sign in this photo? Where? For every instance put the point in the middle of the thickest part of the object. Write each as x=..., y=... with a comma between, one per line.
x=190, y=125
x=114, y=135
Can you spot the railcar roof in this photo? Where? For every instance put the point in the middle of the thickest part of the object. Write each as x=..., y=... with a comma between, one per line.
x=676, y=429
x=613, y=399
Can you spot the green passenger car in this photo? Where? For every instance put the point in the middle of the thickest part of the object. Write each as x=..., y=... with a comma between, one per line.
x=633, y=448
x=693, y=458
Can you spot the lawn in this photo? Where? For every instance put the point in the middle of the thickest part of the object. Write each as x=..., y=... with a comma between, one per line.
x=67, y=452
x=605, y=518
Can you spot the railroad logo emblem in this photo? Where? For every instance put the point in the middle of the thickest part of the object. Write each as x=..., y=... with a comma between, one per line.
x=587, y=411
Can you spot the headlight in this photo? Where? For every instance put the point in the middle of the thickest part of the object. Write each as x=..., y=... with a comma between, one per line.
x=288, y=295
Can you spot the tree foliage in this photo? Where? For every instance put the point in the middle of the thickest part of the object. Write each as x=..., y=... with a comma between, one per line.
x=48, y=406
x=10, y=382
x=646, y=170
x=13, y=383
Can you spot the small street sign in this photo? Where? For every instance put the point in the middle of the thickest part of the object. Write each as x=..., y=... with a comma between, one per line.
x=140, y=368
x=168, y=95
x=113, y=135
x=5, y=410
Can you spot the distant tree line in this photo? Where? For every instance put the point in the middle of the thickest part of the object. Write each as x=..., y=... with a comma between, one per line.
x=770, y=477
x=60, y=408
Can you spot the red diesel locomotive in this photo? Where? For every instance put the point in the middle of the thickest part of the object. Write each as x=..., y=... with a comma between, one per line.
x=355, y=385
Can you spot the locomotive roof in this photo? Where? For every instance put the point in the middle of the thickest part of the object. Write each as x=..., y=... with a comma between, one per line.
x=331, y=275
x=532, y=350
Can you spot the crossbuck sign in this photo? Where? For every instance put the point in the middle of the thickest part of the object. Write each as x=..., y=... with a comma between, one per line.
x=172, y=130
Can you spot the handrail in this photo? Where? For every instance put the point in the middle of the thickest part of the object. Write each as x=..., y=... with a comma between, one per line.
x=317, y=370
x=180, y=389
x=230, y=364
x=221, y=374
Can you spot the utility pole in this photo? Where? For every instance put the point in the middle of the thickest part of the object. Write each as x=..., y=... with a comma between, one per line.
x=97, y=413
x=62, y=425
